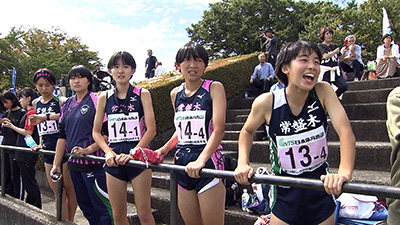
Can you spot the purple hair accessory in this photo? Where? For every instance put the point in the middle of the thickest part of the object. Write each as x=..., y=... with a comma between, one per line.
x=41, y=74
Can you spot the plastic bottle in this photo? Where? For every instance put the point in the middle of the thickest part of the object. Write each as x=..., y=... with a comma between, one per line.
x=245, y=200
x=246, y=95
x=29, y=141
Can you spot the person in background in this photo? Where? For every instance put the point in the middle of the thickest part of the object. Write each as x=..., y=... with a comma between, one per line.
x=75, y=137
x=62, y=85
x=352, y=60
x=151, y=64
x=48, y=107
x=160, y=69
x=13, y=115
x=96, y=78
x=387, y=57
x=269, y=46
x=262, y=76
x=330, y=71
x=393, y=129
x=278, y=85
x=26, y=161
x=200, y=106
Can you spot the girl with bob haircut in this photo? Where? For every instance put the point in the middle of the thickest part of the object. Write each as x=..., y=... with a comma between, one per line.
x=48, y=108
x=200, y=108
x=13, y=115
x=26, y=161
x=299, y=112
x=75, y=137
x=133, y=106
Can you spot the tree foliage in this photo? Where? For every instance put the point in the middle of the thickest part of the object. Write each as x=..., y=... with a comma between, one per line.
x=232, y=27
x=29, y=50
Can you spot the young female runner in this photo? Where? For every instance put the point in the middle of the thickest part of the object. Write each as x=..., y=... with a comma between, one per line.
x=47, y=108
x=200, y=107
x=297, y=126
x=131, y=123
x=76, y=125
x=26, y=161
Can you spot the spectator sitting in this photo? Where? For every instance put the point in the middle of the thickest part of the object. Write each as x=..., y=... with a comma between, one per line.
x=387, y=57
x=265, y=73
x=352, y=61
x=278, y=85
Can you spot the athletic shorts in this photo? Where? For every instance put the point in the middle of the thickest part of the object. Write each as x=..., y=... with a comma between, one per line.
x=302, y=206
x=49, y=159
x=125, y=173
x=202, y=184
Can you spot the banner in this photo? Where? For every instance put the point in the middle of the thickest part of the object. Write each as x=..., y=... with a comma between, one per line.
x=385, y=23
x=13, y=79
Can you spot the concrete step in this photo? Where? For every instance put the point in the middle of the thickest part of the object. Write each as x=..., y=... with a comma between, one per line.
x=373, y=84
x=366, y=111
x=366, y=96
x=369, y=155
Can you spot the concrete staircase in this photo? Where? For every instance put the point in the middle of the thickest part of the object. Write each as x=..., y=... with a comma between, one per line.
x=365, y=104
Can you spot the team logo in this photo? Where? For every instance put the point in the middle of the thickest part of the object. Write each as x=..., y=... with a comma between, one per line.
x=133, y=99
x=84, y=109
x=201, y=96
x=52, y=104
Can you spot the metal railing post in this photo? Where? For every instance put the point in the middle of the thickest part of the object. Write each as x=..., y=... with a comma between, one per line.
x=60, y=186
x=3, y=166
x=173, y=197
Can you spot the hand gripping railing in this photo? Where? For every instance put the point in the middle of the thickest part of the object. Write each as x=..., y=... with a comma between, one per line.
x=356, y=188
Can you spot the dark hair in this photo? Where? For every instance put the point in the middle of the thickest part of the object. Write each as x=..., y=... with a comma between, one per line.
x=189, y=50
x=323, y=31
x=126, y=57
x=289, y=52
x=45, y=73
x=385, y=36
x=28, y=92
x=9, y=95
x=81, y=71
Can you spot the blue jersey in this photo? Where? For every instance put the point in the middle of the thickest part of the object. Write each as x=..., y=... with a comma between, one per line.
x=297, y=142
x=48, y=129
x=125, y=118
x=77, y=117
x=193, y=117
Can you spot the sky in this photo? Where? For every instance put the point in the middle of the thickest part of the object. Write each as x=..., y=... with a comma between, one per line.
x=108, y=26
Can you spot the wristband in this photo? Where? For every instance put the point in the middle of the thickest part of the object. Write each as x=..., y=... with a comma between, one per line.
x=47, y=116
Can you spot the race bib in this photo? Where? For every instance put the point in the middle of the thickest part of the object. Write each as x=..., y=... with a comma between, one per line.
x=48, y=127
x=123, y=127
x=190, y=127
x=303, y=152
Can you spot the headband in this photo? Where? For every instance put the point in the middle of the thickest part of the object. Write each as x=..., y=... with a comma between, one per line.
x=44, y=73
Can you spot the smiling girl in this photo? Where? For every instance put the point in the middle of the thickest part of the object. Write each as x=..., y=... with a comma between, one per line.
x=297, y=125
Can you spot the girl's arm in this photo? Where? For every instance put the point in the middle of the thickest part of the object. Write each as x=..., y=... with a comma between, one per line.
x=259, y=114
x=96, y=133
x=217, y=92
x=60, y=149
x=21, y=131
x=333, y=182
x=171, y=143
x=149, y=119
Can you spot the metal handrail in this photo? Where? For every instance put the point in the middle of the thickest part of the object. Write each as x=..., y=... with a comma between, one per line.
x=356, y=188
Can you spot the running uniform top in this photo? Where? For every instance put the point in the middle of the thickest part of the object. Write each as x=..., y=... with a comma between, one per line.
x=125, y=118
x=297, y=143
x=48, y=129
x=193, y=117
x=76, y=121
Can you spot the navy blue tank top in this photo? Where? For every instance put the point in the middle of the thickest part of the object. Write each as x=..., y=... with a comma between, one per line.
x=48, y=129
x=297, y=142
x=193, y=117
x=125, y=118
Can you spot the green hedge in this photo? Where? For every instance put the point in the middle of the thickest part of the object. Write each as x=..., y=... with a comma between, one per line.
x=234, y=74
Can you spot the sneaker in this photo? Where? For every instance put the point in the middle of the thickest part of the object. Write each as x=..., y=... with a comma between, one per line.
x=356, y=79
